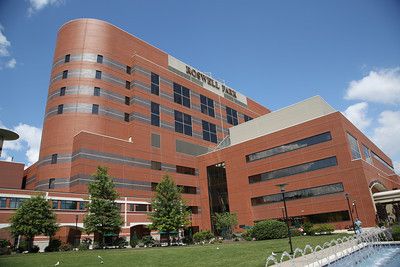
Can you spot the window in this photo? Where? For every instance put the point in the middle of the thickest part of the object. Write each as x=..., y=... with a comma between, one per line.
x=367, y=154
x=209, y=131
x=299, y=194
x=127, y=100
x=62, y=91
x=60, y=109
x=98, y=74
x=155, y=165
x=96, y=91
x=126, y=117
x=155, y=114
x=82, y=205
x=185, y=170
x=54, y=159
x=141, y=207
x=23, y=185
x=68, y=205
x=15, y=202
x=188, y=189
x=3, y=202
x=231, y=116
x=293, y=170
x=52, y=182
x=355, y=150
x=54, y=204
x=183, y=123
x=127, y=84
x=247, y=118
x=155, y=84
x=128, y=69
x=193, y=209
x=99, y=59
x=65, y=74
x=387, y=165
x=309, y=141
x=67, y=58
x=155, y=140
x=207, y=106
x=95, y=109
x=181, y=95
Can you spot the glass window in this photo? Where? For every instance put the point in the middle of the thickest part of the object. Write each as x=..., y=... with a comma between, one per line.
x=387, y=165
x=183, y=123
x=54, y=204
x=126, y=117
x=62, y=91
x=329, y=217
x=155, y=140
x=155, y=114
x=127, y=84
x=293, y=170
x=231, y=116
x=188, y=189
x=181, y=95
x=127, y=100
x=209, y=131
x=96, y=91
x=68, y=205
x=67, y=58
x=65, y=74
x=95, y=109
x=15, y=202
x=3, y=202
x=207, y=106
x=60, y=109
x=99, y=59
x=309, y=141
x=98, y=74
x=141, y=207
x=155, y=165
x=155, y=84
x=82, y=205
x=355, y=150
x=247, y=118
x=54, y=158
x=128, y=69
x=193, y=209
x=185, y=170
x=52, y=183
x=367, y=154
x=298, y=194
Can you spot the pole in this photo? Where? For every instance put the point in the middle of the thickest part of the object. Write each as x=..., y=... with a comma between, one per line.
x=76, y=229
x=355, y=207
x=287, y=222
x=351, y=214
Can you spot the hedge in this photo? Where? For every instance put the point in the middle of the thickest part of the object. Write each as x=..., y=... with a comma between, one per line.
x=270, y=229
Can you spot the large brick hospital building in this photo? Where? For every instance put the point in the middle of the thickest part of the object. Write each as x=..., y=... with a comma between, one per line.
x=117, y=101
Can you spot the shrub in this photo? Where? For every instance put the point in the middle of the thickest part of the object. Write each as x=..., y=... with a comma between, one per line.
x=85, y=244
x=295, y=232
x=203, y=236
x=23, y=246
x=246, y=235
x=34, y=249
x=54, y=245
x=396, y=232
x=134, y=240
x=5, y=251
x=323, y=229
x=148, y=240
x=308, y=228
x=4, y=243
x=66, y=247
x=120, y=242
x=270, y=229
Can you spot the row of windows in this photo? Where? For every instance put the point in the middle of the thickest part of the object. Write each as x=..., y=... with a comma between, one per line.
x=99, y=59
x=95, y=110
x=299, y=194
x=97, y=76
x=156, y=165
x=309, y=141
x=301, y=168
x=185, y=189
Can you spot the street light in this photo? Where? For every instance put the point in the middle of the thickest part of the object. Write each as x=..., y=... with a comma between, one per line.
x=355, y=207
x=76, y=230
x=351, y=214
x=282, y=188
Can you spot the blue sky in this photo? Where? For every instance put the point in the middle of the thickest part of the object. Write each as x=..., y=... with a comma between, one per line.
x=275, y=52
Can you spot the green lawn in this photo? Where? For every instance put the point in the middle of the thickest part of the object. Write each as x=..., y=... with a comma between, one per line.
x=243, y=253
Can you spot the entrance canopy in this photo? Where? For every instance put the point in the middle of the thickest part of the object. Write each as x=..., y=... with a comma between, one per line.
x=387, y=196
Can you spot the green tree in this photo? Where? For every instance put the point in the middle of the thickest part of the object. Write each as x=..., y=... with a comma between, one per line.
x=34, y=217
x=225, y=223
x=169, y=210
x=103, y=215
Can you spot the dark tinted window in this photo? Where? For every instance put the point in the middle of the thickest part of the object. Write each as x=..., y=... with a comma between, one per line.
x=155, y=165
x=3, y=202
x=128, y=69
x=305, y=167
x=155, y=84
x=181, y=95
x=67, y=58
x=98, y=74
x=209, y=131
x=183, y=123
x=207, y=105
x=126, y=117
x=54, y=204
x=188, y=189
x=127, y=100
x=155, y=114
x=231, y=116
x=127, y=84
x=62, y=91
x=95, y=109
x=65, y=74
x=141, y=207
x=247, y=118
x=52, y=183
x=68, y=205
x=299, y=194
x=15, y=202
x=54, y=158
x=60, y=109
x=309, y=141
x=96, y=91
x=185, y=170
x=99, y=59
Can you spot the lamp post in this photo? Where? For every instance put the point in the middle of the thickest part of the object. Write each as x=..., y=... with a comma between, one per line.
x=282, y=188
x=355, y=208
x=76, y=229
x=351, y=214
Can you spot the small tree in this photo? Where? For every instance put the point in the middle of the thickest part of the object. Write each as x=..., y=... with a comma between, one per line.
x=34, y=217
x=225, y=223
x=169, y=210
x=103, y=213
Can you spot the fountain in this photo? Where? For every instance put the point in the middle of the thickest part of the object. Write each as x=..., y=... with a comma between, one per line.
x=370, y=248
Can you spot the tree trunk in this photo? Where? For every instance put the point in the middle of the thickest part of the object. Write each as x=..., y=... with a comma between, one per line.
x=169, y=238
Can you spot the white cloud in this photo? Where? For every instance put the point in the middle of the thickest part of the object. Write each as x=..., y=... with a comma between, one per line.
x=387, y=134
x=357, y=114
x=11, y=63
x=381, y=86
x=4, y=43
x=37, y=5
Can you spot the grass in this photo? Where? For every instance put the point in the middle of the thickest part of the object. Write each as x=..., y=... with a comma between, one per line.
x=242, y=253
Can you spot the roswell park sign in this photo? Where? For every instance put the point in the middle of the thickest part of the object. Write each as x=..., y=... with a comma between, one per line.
x=210, y=81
